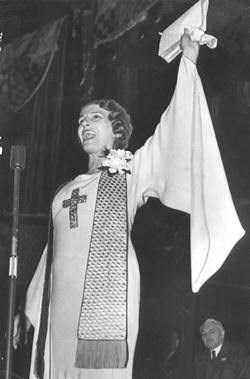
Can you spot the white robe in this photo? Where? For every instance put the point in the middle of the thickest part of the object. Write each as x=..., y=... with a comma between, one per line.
x=152, y=175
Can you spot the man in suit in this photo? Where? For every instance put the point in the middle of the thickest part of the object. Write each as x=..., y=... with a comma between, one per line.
x=221, y=360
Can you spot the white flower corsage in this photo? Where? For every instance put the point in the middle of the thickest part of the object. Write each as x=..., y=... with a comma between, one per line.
x=116, y=161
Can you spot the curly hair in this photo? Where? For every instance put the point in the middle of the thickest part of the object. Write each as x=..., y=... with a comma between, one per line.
x=120, y=121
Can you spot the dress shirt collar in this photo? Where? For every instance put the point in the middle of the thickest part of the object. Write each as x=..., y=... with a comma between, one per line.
x=217, y=350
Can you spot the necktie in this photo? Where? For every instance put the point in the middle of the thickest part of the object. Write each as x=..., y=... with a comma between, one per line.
x=213, y=355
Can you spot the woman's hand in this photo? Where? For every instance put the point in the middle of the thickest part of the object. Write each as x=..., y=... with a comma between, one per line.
x=190, y=48
x=17, y=330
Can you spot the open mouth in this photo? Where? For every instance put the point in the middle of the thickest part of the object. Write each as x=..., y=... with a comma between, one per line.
x=88, y=135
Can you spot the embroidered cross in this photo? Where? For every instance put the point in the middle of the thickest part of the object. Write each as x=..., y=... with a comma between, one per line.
x=72, y=204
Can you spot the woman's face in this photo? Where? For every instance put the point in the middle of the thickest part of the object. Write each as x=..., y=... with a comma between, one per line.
x=95, y=129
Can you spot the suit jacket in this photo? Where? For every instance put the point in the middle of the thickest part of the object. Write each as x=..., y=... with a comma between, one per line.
x=232, y=362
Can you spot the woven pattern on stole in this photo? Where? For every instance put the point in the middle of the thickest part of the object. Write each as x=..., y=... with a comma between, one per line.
x=102, y=329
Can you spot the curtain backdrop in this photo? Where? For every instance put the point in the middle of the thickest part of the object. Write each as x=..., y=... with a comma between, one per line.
x=24, y=65
x=115, y=17
x=45, y=117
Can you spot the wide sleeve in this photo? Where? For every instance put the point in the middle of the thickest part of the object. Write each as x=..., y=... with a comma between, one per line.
x=161, y=166
x=181, y=165
x=35, y=291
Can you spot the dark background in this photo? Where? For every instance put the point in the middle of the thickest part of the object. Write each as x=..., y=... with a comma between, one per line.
x=129, y=70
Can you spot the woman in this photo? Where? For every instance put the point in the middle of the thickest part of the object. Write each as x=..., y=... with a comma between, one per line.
x=84, y=303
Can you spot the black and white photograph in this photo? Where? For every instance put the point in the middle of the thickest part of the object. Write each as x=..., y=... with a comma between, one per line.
x=125, y=189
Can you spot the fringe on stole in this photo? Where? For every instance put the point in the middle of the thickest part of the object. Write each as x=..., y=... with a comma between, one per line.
x=101, y=354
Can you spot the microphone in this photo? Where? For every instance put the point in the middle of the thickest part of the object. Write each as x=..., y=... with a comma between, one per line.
x=17, y=162
x=17, y=157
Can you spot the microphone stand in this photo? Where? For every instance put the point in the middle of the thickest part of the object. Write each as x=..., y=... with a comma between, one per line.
x=17, y=163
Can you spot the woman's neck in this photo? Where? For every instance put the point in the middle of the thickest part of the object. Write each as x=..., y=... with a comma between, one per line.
x=94, y=164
